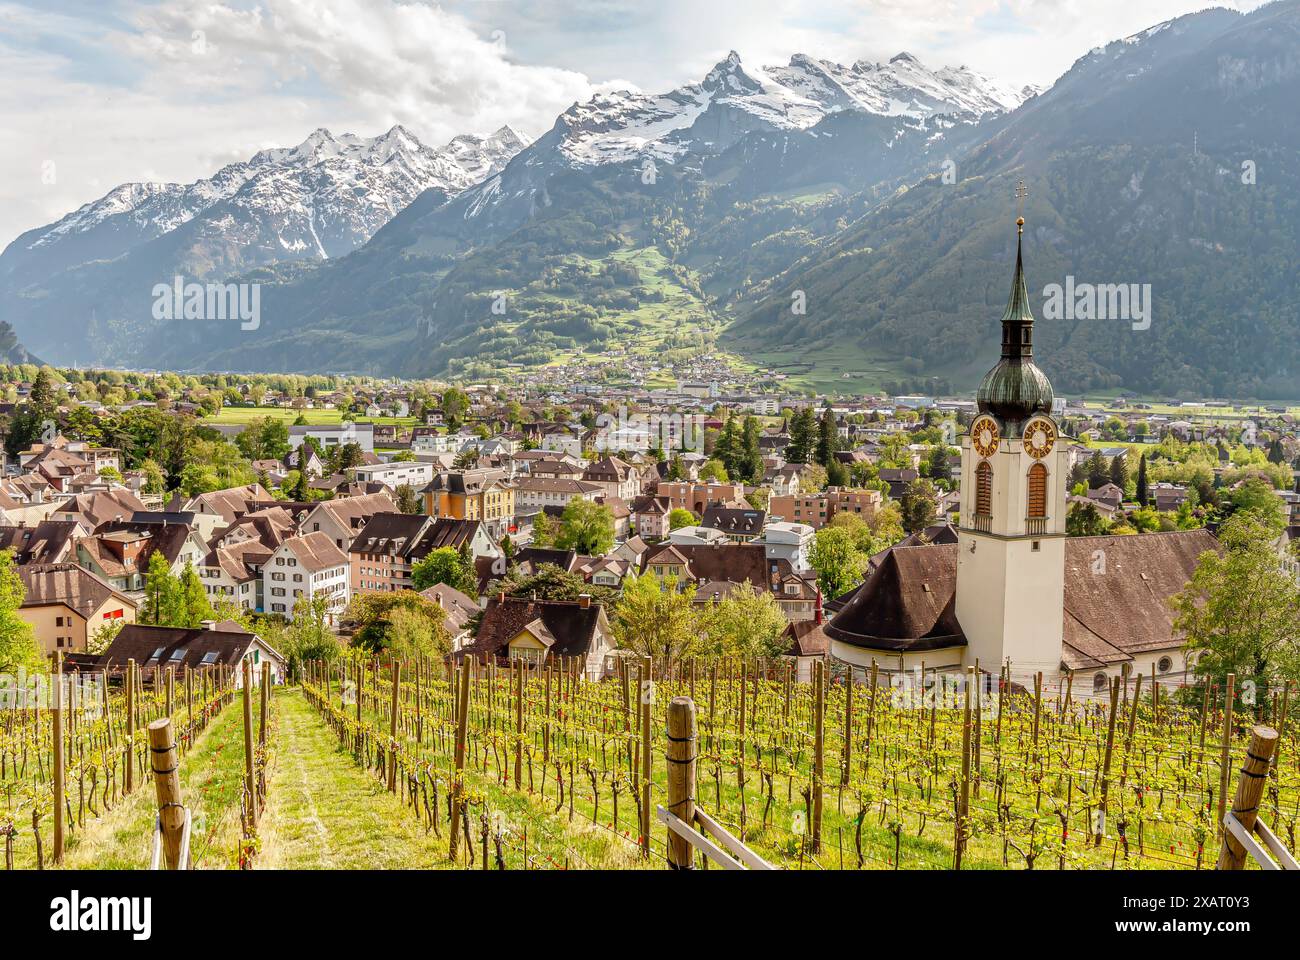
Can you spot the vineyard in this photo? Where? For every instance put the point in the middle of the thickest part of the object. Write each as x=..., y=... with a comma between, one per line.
x=541, y=769
x=520, y=767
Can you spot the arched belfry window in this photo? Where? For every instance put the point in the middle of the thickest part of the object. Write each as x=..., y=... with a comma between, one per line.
x=984, y=489
x=1037, y=492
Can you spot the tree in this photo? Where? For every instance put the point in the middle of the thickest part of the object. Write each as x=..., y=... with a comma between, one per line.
x=1098, y=471
x=192, y=604
x=839, y=563
x=41, y=397
x=803, y=437
x=445, y=565
x=587, y=527
x=103, y=636
x=455, y=403
x=1142, y=493
x=713, y=471
x=655, y=621
x=1119, y=472
x=750, y=464
x=307, y=637
x=748, y=623
x=162, y=603
x=401, y=623
x=920, y=505
x=837, y=474
x=680, y=517
x=18, y=647
x=544, y=530
x=348, y=455
x=407, y=501
x=1256, y=496
x=727, y=448
x=1241, y=611
x=1084, y=520
x=552, y=583
x=827, y=437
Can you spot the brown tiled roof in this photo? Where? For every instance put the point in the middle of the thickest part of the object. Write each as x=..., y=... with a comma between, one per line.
x=807, y=639
x=69, y=584
x=232, y=503
x=316, y=551
x=178, y=647
x=46, y=542
x=460, y=608
x=100, y=507
x=733, y=520
x=1117, y=592
x=572, y=626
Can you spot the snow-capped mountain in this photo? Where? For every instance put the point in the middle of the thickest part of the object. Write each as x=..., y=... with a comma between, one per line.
x=614, y=127
x=319, y=199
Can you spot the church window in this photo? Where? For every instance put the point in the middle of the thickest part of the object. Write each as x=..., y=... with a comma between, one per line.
x=1037, y=491
x=984, y=489
x=1100, y=683
x=1165, y=665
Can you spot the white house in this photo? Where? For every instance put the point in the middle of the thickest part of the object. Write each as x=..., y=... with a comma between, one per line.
x=306, y=566
x=416, y=474
x=788, y=541
x=334, y=435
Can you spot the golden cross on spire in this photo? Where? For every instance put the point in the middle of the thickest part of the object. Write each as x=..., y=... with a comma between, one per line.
x=1021, y=193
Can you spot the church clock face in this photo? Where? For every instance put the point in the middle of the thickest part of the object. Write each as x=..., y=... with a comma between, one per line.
x=1040, y=438
x=984, y=436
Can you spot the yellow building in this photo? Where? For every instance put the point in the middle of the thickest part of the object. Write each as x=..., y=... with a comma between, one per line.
x=484, y=495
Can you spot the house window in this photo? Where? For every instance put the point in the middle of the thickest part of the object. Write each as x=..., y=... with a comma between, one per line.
x=984, y=489
x=1037, y=492
x=1164, y=665
x=1100, y=683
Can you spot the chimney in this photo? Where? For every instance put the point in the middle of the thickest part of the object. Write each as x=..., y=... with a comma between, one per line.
x=818, y=614
x=584, y=600
x=501, y=597
x=208, y=624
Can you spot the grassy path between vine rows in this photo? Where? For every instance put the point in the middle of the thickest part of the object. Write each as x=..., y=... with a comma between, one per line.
x=326, y=812
x=323, y=812
x=211, y=781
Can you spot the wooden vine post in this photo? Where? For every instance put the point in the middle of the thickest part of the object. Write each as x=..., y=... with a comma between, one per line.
x=392, y=729
x=266, y=693
x=1224, y=751
x=1250, y=789
x=167, y=784
x=57, y=708
x=250, y=780
x=647, y=699
x=519, y=724
x=130, y=725
x=819, y=750
x=1110, y=749
x=963, y=796
x=457, y=784
x=680, y=754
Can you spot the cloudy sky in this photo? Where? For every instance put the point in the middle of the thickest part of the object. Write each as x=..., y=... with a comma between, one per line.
x=94, y=93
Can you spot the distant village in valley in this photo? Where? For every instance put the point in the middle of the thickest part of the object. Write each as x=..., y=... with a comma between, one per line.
x=207, y=516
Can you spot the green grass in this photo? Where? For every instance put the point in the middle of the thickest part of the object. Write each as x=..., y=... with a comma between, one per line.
x=244, y=415
x=211, y=783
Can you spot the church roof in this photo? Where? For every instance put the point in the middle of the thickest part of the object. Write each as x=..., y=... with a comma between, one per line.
x=1117, y=592
x=907, y=603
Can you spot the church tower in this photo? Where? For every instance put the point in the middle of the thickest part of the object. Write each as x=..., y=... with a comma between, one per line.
x=1011, y=542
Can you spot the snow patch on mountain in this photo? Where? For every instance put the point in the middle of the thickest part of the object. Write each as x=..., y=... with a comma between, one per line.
x=617, y=126
x=325, y=196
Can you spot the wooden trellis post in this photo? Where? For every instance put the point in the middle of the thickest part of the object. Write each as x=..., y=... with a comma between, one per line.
x=819, y=750
x=1224, y=750
x=680, y=755
x=1110, y=749
x=1250, y=789
x=250, y=779
x=167, y=782
x=57, y=714
x=647, y=697
x=130, y=725
x=392, y=728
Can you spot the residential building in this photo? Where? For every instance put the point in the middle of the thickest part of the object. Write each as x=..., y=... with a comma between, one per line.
x=66, y=604
x=307, y=566
x=818, y=509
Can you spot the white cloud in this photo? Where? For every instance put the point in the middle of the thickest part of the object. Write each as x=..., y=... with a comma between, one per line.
x=174, y=90
x=212, y=83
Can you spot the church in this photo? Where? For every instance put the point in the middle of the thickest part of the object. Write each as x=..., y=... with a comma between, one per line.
x=1013, y=588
